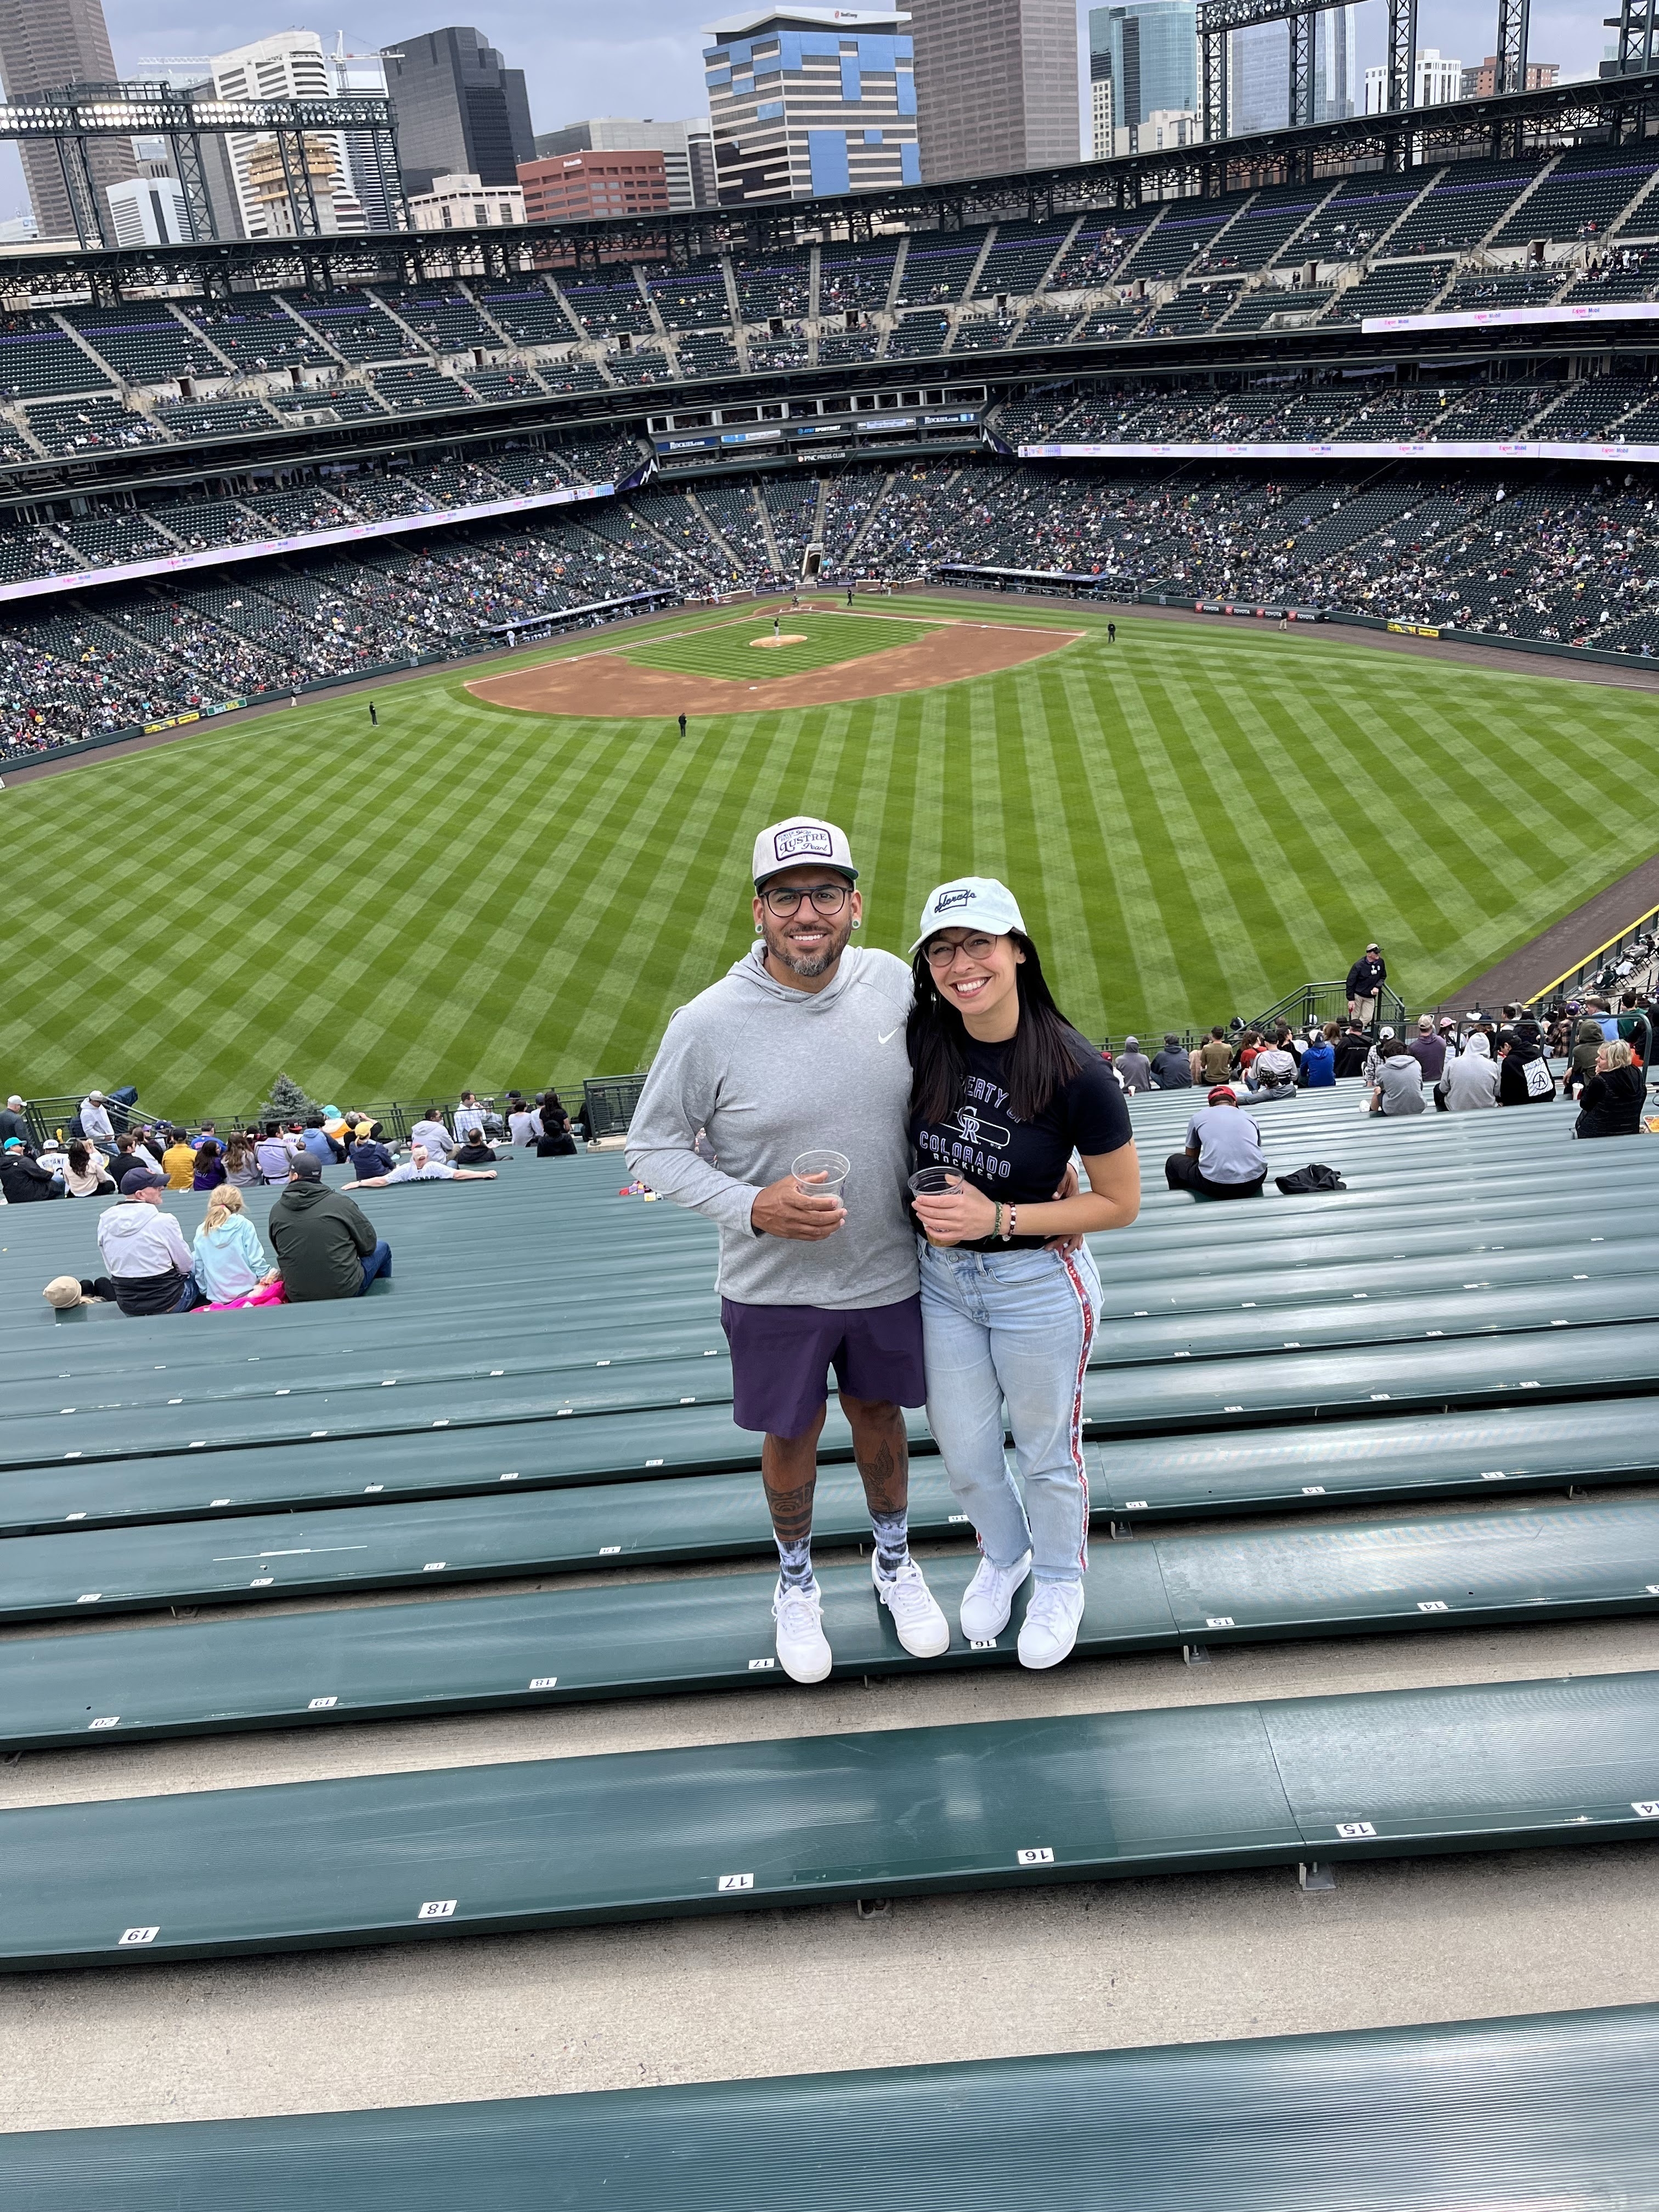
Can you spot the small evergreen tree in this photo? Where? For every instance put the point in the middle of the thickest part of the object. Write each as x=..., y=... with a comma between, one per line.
x=287, y=1102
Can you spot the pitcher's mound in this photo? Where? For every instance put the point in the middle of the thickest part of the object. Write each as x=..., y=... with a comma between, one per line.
x=770, y=644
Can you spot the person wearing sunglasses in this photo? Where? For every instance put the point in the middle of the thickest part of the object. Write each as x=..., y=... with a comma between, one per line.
x=1003, y=1092
x=800, y=1049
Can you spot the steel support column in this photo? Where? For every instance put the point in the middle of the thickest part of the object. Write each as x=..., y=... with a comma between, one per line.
x=1401, y=82
x=1212, y=62
x=1301, y=30
x=193, y=178
x=1512, y=25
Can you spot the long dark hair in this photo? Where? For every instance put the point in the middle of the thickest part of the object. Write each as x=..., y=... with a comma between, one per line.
x=1043, y=1055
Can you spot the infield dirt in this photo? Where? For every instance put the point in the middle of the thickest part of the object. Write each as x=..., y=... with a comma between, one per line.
x=607, y=686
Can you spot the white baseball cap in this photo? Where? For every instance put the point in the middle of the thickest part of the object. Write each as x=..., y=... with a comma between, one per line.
x=971, y=902
x=802, y=839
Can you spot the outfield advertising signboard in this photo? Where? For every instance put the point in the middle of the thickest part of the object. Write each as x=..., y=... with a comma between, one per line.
x=1351, y=449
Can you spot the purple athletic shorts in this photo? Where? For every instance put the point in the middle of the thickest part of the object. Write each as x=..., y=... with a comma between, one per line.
x=781, y=1356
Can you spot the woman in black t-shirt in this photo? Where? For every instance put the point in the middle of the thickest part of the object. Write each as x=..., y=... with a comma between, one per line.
x=1003, y=1090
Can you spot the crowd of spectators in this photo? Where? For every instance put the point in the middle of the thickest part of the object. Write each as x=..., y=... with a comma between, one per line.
x=322, y=1246
x=1444, y=1062
x=1567, y=563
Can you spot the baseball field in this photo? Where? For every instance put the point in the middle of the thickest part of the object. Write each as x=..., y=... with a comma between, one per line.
x=524, y=868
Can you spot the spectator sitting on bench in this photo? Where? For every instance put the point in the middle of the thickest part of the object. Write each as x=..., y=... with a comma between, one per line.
x=1399, y=1081
x=23, y=1181
x=476, y=1151
x=1615, y=1095
x=275, y=1158
x=144, y=1249
x=1470, y=1082
x=325, y=1246
x=371, y=1160
x=228, y=1263
x=1274, y=1071
x=430, y=1132
x=178, y=1161
x=420, y=1167
x=1224, y=1157
x=85, y=1172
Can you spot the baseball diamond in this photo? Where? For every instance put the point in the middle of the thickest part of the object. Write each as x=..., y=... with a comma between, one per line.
x=1223, y=813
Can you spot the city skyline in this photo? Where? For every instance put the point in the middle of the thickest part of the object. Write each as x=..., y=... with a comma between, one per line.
x=644, y=58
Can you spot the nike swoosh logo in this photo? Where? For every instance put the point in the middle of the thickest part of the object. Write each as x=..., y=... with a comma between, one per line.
x=890, y=1035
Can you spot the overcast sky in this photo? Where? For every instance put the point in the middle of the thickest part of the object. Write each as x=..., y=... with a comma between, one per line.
x=645, y=60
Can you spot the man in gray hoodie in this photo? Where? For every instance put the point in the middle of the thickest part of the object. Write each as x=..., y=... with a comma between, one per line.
x=800, y=1048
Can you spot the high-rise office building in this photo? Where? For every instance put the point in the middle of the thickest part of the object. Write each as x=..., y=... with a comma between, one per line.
x=460, y=111
x=687, y=150
x=1100, y=118
x=1336, y=76
x=1148, y=52
x=364, y=74
x=290, y=66
x=1258, y=79
x=1436, y=78
x=45, y=43
x=996, y=85
x=1259, y=74
x=807, y=100
x=587, y=186
x=1480, y=78
x=149, y=211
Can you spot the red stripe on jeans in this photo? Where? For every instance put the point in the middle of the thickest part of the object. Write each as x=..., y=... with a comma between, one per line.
x=1074, y=1276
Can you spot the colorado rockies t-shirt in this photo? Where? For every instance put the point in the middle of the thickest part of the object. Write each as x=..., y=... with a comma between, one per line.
x=1021, y=1162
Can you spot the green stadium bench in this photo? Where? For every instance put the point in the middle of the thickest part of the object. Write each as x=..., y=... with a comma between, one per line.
x=1321, y=1405
x=1553, y=2110
x=1522, y=1445
x=80, y=1573
x=1134, y=1357
x=730, y=1828
x=714, y=1633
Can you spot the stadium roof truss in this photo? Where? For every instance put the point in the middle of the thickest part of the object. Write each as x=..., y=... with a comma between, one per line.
x=1217, y=19
x=1613, y=109
x=72, y=117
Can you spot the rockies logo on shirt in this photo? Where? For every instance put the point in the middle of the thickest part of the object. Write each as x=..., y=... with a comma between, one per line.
x=980, y=1134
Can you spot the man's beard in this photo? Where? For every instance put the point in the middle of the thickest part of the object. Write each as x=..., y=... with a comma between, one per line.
x=809, y=965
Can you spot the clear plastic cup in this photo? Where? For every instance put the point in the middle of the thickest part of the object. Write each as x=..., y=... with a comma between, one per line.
x=935, y=1183
x=834, y=1166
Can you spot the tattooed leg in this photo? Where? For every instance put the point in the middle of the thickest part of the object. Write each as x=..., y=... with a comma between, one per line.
x=789, y=1469
x=882, y=1451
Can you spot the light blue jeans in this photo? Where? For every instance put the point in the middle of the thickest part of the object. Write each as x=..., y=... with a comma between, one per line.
x=1013, y=1329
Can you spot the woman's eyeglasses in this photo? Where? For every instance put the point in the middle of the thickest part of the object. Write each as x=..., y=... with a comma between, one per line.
x=828, y=898
x=941, y=954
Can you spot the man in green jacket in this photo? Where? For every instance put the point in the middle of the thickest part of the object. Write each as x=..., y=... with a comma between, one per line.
x=324, y=1244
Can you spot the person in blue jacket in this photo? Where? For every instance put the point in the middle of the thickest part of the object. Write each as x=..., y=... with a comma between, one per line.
x=1318, y=1068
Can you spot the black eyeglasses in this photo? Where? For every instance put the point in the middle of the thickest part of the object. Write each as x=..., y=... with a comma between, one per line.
x=942, y=951
x=828, y=898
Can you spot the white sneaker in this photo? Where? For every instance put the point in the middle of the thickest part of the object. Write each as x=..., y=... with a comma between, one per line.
x=1052, y=1620
x=989, y=1599
x=804, y=1651
x=922, y=1628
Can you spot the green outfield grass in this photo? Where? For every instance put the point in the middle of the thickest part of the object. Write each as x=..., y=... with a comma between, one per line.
x=1195, y=820
x=728, y=648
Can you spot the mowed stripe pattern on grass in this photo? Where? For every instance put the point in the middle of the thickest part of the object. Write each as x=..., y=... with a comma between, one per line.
x=1195, y=821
